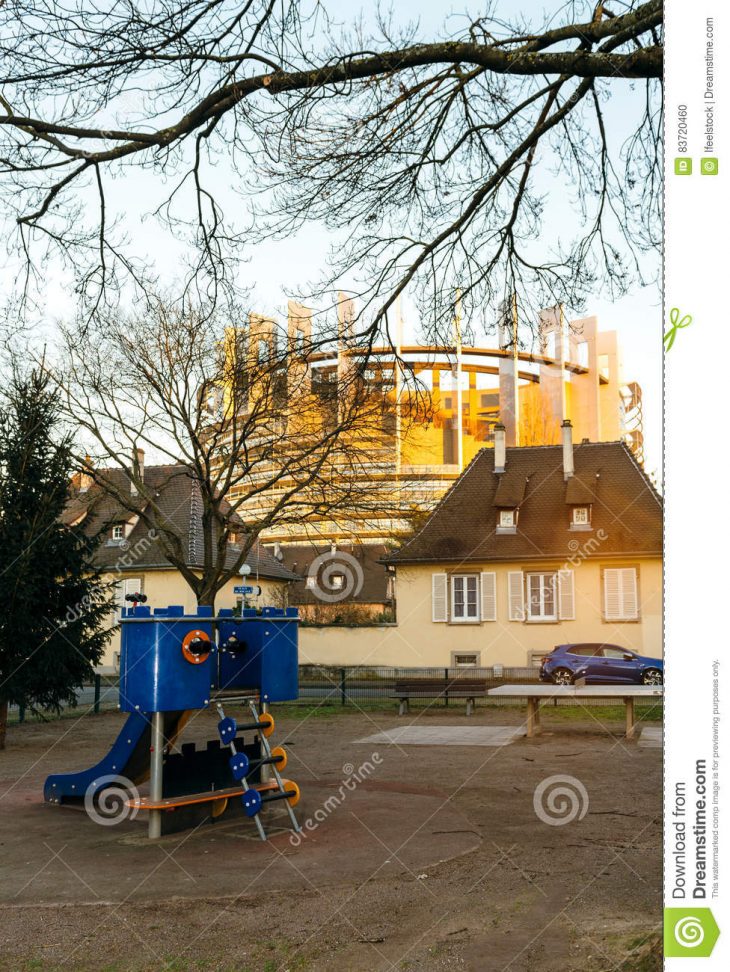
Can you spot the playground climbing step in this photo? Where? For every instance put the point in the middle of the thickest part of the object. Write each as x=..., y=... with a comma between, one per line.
x=241, y=766
x=446, y=736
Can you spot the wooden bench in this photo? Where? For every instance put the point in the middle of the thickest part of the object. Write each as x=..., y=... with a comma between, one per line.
x=439, y=688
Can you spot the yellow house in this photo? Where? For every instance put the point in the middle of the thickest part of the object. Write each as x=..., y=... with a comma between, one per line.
x=530, y=548
x=131, y=555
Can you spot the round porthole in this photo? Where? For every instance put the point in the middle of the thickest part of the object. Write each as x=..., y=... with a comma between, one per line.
x=196, y=647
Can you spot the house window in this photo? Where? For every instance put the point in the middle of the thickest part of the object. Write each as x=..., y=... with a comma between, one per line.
x=118, y=531
x=459, y=660
x=542, y=602
x=337, y=582
x=130, y=585
x=507, y=518
x=581, y=516
x=620, y=594
x=464, y=597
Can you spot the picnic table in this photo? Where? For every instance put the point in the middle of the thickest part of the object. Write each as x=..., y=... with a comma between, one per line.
x=536, y=693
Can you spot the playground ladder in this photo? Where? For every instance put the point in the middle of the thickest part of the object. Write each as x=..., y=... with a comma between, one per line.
x=252, y=799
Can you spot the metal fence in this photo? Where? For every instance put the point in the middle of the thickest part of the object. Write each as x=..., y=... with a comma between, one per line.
x=356, y=686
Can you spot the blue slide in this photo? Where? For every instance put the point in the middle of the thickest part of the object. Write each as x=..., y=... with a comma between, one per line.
x=129, y=757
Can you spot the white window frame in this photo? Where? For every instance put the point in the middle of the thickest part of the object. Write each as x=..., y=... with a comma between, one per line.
x=542, y=616
x=476, y=655
x=507, y=519
x=118, y=531
x=465, y=618
x=584, y=511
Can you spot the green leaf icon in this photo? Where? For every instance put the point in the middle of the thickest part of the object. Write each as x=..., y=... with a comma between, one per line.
x=689, y=932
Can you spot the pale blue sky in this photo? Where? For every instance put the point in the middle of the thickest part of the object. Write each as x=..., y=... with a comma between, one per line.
x=276, y=268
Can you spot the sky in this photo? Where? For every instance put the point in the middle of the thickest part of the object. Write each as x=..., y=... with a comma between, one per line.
x=277, y=268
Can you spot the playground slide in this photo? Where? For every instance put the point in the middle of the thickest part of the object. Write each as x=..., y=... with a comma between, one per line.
x=129, y=757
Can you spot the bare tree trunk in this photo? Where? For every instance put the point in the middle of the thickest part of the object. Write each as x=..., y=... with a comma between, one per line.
x=3, y=721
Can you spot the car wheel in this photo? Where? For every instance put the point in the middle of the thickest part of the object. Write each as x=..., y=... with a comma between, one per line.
x=562, y=676
x=652, y=676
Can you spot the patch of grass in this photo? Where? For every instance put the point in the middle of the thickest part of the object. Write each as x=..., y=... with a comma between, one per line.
x=604, y=713
x=648, y=958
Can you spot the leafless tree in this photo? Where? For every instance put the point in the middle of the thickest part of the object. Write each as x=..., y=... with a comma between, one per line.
x=434, y=157
x=239, y=412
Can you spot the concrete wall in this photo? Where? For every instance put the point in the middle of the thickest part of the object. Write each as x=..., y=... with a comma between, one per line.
x=418, y=641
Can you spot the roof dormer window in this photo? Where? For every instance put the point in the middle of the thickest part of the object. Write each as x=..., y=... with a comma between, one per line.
x=507, y=521
x=580, y=518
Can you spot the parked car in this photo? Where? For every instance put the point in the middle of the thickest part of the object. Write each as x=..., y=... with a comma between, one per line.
x=600, y=663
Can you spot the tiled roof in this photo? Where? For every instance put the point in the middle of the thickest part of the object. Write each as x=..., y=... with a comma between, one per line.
x=626, y=516
x=363, y=562
x=179, y=504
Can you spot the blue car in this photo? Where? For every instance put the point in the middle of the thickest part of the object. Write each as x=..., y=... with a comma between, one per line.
x=600, y=663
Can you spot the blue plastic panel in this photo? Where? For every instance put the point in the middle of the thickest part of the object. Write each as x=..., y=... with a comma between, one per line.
x=155, y=676
x=269, y=661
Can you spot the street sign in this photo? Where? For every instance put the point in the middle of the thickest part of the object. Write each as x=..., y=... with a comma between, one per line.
x=246, y=589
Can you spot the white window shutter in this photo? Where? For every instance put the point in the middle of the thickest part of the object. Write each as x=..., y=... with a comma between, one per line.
x=611, y=594
x=133, y=585
x=630, y=594
x=620, y=594
x=439, y=599
x=489, y=596
x=566, y=595
x=516, y=594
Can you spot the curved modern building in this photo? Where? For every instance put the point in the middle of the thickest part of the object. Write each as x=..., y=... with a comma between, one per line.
x=454, y=396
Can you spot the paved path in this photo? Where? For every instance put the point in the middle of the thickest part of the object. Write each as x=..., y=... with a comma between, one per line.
x=446, y=736
x=651, y=737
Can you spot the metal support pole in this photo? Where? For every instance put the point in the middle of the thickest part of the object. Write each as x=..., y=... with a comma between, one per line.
x=157, y=749
x=97, y=693
x=343, y=691
x=265, y=770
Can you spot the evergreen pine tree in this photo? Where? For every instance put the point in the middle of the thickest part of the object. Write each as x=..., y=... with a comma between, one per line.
x=53, y=602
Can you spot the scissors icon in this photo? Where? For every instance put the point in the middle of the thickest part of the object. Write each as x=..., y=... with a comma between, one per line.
x=677, y=323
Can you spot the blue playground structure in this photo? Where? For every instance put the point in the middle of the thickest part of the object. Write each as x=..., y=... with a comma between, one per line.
x=173, y=665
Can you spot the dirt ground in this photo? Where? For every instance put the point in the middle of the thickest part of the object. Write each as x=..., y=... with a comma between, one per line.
x=436, y=859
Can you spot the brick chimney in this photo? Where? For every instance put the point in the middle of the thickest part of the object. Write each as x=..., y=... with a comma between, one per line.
x=500, y=448
x=568, y=463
